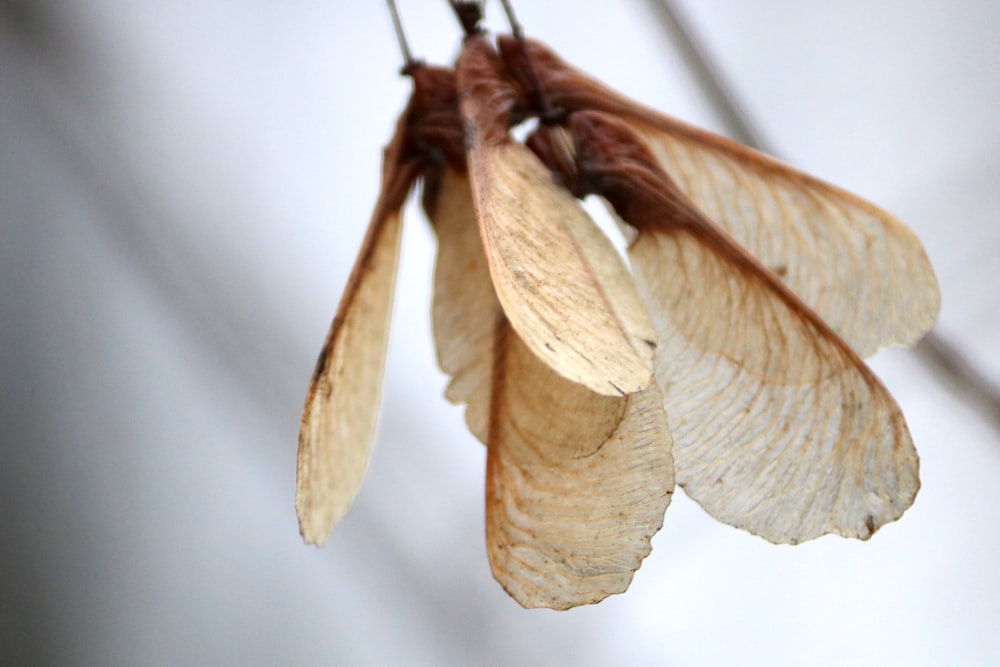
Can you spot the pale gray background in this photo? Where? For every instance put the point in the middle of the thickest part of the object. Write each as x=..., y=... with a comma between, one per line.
x=183, y=187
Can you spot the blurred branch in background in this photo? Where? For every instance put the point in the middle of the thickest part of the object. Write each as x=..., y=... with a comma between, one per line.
x=936, y=350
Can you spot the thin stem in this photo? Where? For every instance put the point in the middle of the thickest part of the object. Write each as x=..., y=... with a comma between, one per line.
x=548, y=113
x=515, y=26
x=408, y=61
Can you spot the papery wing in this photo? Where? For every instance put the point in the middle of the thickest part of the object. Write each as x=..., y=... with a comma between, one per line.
x=338, y=421
x=861, y=270
x=562, y=285
x=576, y=482
x=465, y=308
x=779, y=427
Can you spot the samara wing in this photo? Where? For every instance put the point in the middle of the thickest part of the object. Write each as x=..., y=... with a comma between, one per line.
x=577, y=482
x=860, y=269
x=465, y=309
x=562, y=285
x=338, y=421
x=779, y=427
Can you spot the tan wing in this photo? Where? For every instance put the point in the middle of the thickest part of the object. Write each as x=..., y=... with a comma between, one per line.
x=465, y=307
x=860, y=269
x=560, y=280
x=855, y=265
x=338, y=421
x=562, y=285
x=576, y=483
x=779, y=427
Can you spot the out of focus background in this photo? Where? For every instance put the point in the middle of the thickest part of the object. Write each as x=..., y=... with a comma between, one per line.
x=183, y=187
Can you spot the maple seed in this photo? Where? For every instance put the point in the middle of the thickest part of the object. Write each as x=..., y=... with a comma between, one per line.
x=574, y=369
